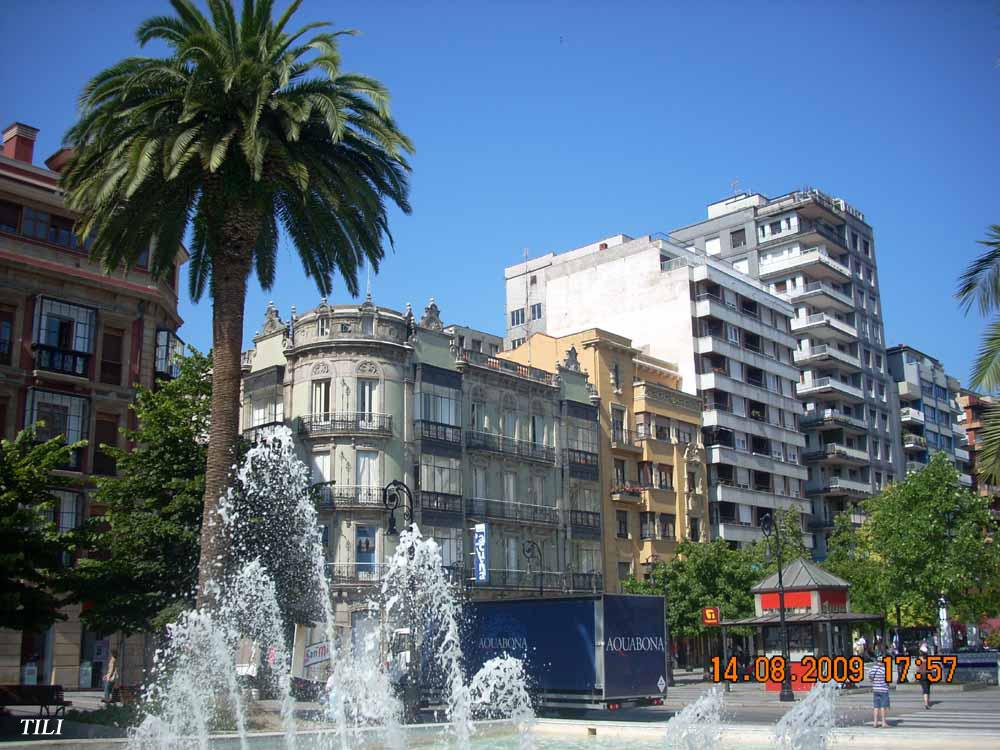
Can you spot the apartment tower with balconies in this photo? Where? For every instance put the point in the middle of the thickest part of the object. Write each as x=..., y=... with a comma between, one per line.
x=818, y=254
x=930, y=415
x=728, y=336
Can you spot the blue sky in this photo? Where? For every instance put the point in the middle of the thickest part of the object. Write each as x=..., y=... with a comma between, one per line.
x=548, y=125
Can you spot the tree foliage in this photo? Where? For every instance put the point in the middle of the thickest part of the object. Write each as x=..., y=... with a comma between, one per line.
x=763, y=554
x=32, y=550
x=701, y=575
x=141, y=567
x=922, y=538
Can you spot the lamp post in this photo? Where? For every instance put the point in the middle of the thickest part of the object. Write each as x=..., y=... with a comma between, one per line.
x=394, y=495
x=532, y=551
x=769, y=527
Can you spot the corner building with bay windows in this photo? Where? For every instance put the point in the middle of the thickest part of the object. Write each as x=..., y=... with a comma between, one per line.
x=374, y=395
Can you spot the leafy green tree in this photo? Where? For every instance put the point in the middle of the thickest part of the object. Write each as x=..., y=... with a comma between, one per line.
x=31, y=548
x=852, y=557
x=763, y=554
x=142, y=554
x=702, y=575
x=243, y=130
x=932, y=537
x=979, y=287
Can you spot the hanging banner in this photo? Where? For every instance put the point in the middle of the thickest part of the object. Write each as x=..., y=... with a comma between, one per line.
x=480, y=554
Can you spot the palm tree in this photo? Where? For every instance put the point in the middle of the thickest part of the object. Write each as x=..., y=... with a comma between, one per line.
x=242, y=131
x=979, y=287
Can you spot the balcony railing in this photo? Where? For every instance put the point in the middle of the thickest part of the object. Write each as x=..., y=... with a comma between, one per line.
x=511, y=510
x=822, y=351
x=360, y=574
x=914, y=441
x=495, y=443
x=504, y=365
x=815, y=418
x=909, y=414
x=65, y=361
x=823, y=319
x=961, y=454
x=330, y=495
x=820, y=287
x=328, y=423
x=526, y=580
x=446, y=433
x=837, y=485
x=625, y=493
x=833, y=383
x=832, y=450
x=440, y=502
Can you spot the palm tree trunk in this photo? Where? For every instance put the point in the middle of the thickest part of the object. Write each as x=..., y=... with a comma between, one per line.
x=229, y=286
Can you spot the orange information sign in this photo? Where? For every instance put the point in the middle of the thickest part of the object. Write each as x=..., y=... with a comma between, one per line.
x=710, y=616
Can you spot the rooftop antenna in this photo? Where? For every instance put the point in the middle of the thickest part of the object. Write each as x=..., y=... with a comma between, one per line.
x=735, y=185
x=527, y=313
x=368, y=295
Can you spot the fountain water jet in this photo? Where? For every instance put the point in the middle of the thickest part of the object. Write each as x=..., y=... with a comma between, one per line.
x=808, y=725
x=699, y=725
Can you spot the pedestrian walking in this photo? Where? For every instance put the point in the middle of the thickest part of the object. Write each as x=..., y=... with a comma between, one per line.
x=925, y=680
x=110, y=677
x=880, y=692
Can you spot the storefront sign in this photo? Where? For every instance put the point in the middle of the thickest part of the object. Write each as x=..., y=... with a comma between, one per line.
x=710, y=616
x=480, y=554
x=317, y=654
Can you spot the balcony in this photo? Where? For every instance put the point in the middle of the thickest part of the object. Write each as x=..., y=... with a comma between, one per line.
x=440, y=502
x=829, y=387
x=817, y=260
x=492, y=442
x=965, y=480
x=962, y=455
x=836, y=453
x=546, y=580
x=913, y=442
x=582, y=464
x=823, y=354
x=838, y=486
x=509, y=510
x=505, y=366
x=355, y=573
x=624, y=440
x=913, y=467
x=443, y=433
x=909, y=415
x=346, y=423
x=830, y=419
x=909, y=391
x=626, y=493
x=62, y=361
x=821, y=296
x=824, y=328
x=333, y=496
x=586, y=524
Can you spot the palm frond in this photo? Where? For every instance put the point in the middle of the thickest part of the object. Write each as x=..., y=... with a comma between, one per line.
x=979, y=286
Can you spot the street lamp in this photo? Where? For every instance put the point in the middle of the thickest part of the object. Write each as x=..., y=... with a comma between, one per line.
x=769, y=527
x=532, y=551
x=394, y=494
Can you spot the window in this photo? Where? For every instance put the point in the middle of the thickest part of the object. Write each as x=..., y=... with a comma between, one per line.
x=6, y=336
x=111, y=356
x=367, y=325
x=266, y=408
x=665, y=477
x=668, y=526
x=142, y=261
x=366, y=470
x=694, y=528
x=105, y=433
x=320, y=407
x=8, y=216
x=442, y=405
x=536, y=311
x=323, y=327
x=534, y=280
x=866, y=245
x=62, y=331
x=738, y=238
x=774, y=227
x=440, y=474
x=63, y=415
x=35, y=224
x=854, y=240
x=621, y=519
x=647, y=525
x=514, y=343
x=477, y=345
x=168, y=349
x=479, y=487
x=517, y=317
x=367, y=396
x=619, y=472
x=510, y=486
x=757, y=411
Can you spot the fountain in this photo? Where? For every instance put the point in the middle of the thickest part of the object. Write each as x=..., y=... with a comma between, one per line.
x=699, y=724
x=809, y=724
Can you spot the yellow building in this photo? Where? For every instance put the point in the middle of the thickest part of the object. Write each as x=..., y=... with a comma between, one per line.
x=651, y=458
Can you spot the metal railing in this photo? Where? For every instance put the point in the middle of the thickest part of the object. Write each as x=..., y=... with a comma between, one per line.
x=330, y=495
x=914, y=441
x=446, y=433
x=628, y=491
x=511, y=510
x=585, y=518
x=495, y=443
x=326, y=423
x=441, y=502
x=582, y=464
x=504, y=365
x=65, y=361
x=356, y=573
x=908, y=412
x=811, y=418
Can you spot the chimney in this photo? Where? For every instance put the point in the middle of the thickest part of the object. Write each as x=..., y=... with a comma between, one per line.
x=19, y=142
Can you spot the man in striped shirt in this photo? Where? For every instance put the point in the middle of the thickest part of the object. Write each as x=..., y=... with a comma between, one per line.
x=880, y=691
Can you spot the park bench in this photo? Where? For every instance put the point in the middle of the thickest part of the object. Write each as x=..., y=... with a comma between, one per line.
x=49, y=698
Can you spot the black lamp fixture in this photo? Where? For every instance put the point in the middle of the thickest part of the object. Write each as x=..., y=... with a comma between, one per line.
x=394, y=495
x=770, y=528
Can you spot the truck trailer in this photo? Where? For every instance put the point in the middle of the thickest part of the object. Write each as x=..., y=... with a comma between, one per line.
x=602, y=651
